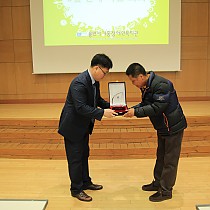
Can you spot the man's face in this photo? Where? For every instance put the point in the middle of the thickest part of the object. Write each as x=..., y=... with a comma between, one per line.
x=139, y=81
x=100, y=72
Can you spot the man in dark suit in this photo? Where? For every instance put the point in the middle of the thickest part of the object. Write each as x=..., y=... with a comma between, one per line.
x=77, y=120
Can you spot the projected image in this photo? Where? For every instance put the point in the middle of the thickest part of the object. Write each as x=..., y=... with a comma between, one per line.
x=105, y=22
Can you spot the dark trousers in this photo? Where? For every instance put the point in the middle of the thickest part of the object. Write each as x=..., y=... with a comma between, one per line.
x=77, y=153
x=168, y=153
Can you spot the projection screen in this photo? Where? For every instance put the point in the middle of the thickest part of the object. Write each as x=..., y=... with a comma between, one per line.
x=66, y=34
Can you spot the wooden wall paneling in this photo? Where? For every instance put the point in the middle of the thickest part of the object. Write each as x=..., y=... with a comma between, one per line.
x=130, y=88
x=23, y=50
x=8, y=98
x=194, y=48
x=120, y=76
x=193, y=77
x=194, y=19
x=60, y=78
x=192, y=95
x=7, y=79
x=132, y=92
x=58, y=83
x=5, y=3
x=5, y=23
x=169, y=75
x=208, y=72
x=104, y=85
x=29, y=84
x=21, y=22
x=6, y=51
x=55, y=97
x=208, y=79
x=104, y=88
x=15, y=46
x=20, y=2
x=209, y=35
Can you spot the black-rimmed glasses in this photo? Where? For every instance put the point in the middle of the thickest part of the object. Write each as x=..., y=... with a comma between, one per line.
x=105, y=73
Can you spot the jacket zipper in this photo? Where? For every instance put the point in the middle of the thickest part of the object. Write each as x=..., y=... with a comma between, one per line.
x=166, y=121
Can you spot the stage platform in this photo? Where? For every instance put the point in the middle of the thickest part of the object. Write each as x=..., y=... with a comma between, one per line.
x=30, y=131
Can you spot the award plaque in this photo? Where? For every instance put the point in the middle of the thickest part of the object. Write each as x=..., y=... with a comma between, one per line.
x=117, y=97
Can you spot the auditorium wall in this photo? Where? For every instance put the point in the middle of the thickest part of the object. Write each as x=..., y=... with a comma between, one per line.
x=19, y=85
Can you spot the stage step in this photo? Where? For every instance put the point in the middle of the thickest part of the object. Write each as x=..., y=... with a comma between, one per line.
x=112, y=138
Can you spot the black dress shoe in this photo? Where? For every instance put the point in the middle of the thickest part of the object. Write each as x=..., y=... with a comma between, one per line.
x=160, y=196
x=93, y=187
x=82, y=196
x=150, y=187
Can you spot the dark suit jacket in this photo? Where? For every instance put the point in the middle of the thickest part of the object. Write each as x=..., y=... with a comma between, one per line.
x=78, y=111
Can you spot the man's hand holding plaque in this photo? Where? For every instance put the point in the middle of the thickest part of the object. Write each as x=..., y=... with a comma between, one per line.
x=130, y=113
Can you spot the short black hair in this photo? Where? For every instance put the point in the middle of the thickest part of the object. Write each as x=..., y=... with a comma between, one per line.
x=135, y=69
x=102, y=60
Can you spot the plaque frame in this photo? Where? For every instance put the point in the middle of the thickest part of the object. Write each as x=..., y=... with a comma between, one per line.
x=117, y=97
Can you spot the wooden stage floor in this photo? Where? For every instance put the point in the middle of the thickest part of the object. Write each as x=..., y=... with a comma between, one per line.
x=53, y=110
x=122, y=181
x=33, y=163
x=30, y=131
